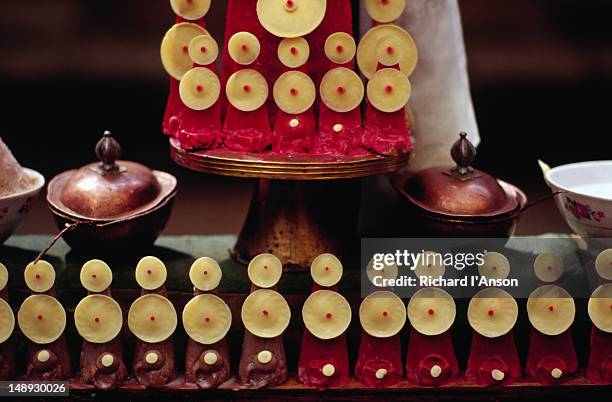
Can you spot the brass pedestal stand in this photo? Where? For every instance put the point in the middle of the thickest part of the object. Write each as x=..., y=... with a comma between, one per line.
x=302, y=206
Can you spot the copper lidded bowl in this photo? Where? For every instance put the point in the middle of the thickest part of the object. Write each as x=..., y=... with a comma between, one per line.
x=459, y=201
x=112, y=204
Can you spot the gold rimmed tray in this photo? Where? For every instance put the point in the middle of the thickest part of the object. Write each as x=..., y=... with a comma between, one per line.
x=285, y=167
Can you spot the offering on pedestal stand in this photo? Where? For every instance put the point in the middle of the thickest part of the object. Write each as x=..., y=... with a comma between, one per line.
x=387, y=55
x=265, y=315
x=341, y=91
x=42, y=320
x=493, y=360
x=551, y=311
x=175, y=57
x=599, y=369
x=152, y=319
x=7, y=325
x=431, y=358
x=206, y=319
x=99, y=320
x=379, y=362
x=294, y=94
x=247, y=123
x=324, y=360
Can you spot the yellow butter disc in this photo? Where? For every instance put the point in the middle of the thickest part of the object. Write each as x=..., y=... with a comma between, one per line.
x=600, y=308
x=294, y=92
x=603, y=264
x=430, y=265
x=39, y=277
x=431, y=311
x=494, y=266
x=326, y=314
x=384, y=11
x=551, y=309
x=96, y=276
x=340, y=47
x=206, y=319
x=151, y=273
x=548, y=266
x=7, y=321
x=293, y=52
x=190, y=9
x=290, y=18
x=265, y=313
x=42, y=319
x=4, y=276
x=244, y=48
x=389, y=90
x=326, y=270
x=205, y=274
x=152, y=318
x=265, y=270
x=382, y=314
x=390, y=50
x=200, y=88
x=175, y=48
x=341, y=90
x=247, y=90
x=492, y=312
x=98, y=318
x=367, y=49
x=203, y=50
x=386, y=271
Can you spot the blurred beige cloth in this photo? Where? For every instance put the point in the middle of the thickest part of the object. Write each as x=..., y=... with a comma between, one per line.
x=441, y=102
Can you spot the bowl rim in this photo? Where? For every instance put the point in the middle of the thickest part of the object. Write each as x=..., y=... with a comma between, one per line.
x=571, y=166
x=40, y=183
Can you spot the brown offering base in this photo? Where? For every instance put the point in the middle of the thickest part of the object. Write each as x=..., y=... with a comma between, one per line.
x=92, y=370
x=304, y=205
x=57, y=368
x=197, y=372
x=162, y=372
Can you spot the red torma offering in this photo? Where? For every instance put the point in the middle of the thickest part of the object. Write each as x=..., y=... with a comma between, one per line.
x=599, y=369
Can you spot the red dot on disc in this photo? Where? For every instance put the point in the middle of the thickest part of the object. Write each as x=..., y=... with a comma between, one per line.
x=494, y=268
x=205, y=272
x=244, y=47
x=149, y=271
x=294, y=50
x=265, y=267
x=389, y=88
x=339, y=48
x=152, y=318
x=185, y=49
x=246, y=88
x=385, y=2
x=40, y=317
x=199, y=88
x=389, y=50
x=551, y=308
x=340, y=90
x=93, y=276
x=265, y=312
x=97, y=319
x=37, y=276
x=385, y=313
x=203, y=49
x=430, y=311
x=490, y=312
x=289, y=3
x=328, y=315
x=327, y=268
x=207, y=319
x=293, y=91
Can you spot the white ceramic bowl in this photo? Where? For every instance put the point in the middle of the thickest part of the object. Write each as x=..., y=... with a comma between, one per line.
x=586, y=201
x=15, y=207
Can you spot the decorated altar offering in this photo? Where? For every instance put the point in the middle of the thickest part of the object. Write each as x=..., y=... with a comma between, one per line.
x=599, y=369
x=112, y=205
x=603, y=265
x=153, y=320
x=7, y=325
x=206, y=319
x=492, y=314
x=99, y=321
x=382, y=315
x=431, y=358
x=265, y=315
x=324, y=360
x=42, y=320
x=302, y=54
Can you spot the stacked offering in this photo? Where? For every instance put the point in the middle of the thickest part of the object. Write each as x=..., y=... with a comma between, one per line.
x=302, y=52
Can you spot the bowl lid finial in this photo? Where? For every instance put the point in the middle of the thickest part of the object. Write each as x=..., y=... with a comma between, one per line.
x=108, y=152
x=463, y=153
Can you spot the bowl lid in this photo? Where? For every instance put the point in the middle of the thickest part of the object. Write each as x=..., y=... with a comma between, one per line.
x=109, y=189
x=461, y=190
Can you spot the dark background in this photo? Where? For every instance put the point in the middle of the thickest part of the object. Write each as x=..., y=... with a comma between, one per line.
x=541, y=74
